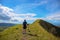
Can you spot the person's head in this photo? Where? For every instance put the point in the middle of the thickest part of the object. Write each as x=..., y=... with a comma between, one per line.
x=24, y=20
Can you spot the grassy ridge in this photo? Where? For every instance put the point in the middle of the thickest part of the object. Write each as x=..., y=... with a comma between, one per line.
x=37, y=32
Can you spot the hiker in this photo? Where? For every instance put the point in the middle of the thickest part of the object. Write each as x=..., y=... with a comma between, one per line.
x=24, y=26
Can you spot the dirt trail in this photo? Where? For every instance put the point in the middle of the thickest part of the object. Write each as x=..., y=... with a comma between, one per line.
x=24, y=37
x=27, y=36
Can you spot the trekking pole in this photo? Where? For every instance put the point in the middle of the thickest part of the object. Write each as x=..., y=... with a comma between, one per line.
x=28, y=28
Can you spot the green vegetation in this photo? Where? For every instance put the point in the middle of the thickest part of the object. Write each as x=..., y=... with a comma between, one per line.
x=34, y=32
x=1, y=29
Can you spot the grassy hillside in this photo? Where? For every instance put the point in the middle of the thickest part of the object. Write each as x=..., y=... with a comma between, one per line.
x=50, y=28
x=34, y=32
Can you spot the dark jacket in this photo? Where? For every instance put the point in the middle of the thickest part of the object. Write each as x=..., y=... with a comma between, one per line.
x=24, y=25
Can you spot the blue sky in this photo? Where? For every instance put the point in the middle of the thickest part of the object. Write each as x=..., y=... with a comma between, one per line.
x=16, y=11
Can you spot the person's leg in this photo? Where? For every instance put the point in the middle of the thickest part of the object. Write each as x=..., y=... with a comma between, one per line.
x=24, y=31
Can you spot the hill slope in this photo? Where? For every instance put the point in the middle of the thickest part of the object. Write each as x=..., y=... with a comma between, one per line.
x=50, y=27
x=3, y=26
x=34, y=32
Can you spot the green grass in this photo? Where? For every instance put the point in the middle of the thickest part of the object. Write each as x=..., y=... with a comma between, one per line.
x=1, y=29
x=37, y=32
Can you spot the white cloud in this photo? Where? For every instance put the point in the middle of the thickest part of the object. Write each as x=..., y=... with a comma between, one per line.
x=8, y=15
x=5, y=8
x=53, y=16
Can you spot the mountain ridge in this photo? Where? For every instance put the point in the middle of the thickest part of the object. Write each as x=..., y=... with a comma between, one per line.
x=35, y=29
x=49, y=27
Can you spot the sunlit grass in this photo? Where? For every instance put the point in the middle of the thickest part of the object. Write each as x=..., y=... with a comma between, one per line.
x=34, y=32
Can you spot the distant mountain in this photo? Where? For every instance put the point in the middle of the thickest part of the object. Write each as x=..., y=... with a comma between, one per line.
x=6, y=24
x=3, y=26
